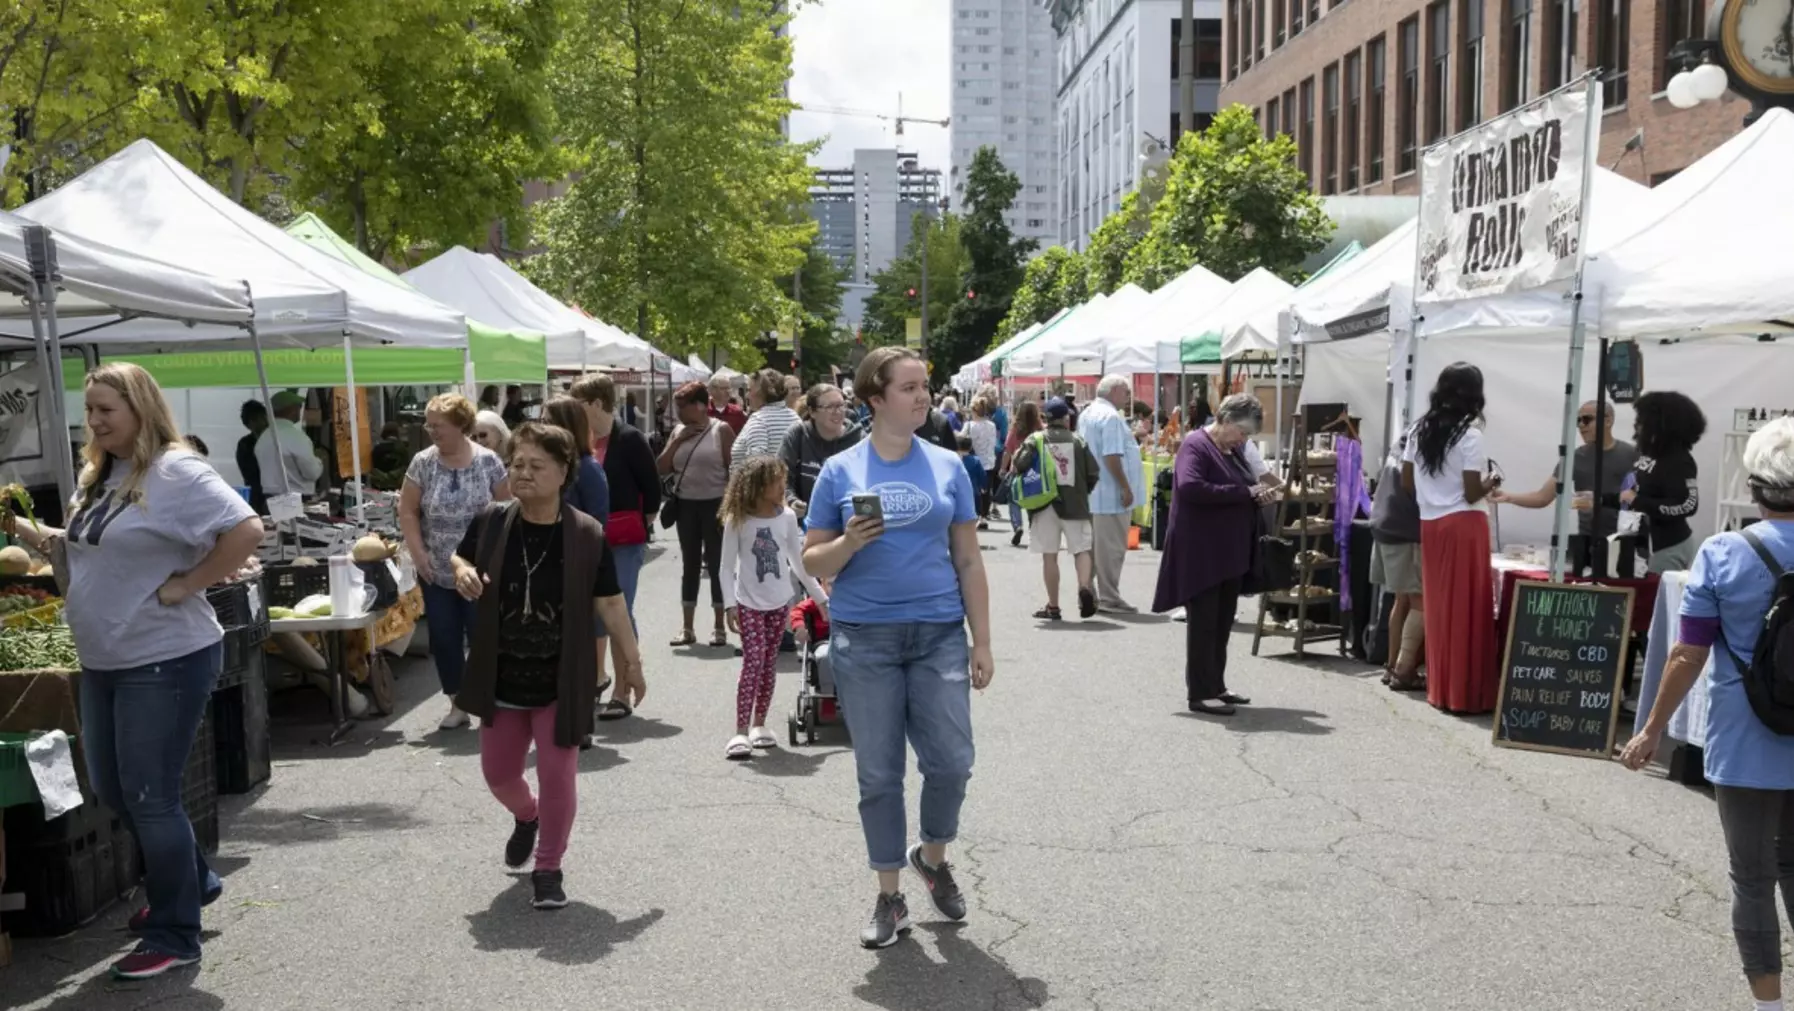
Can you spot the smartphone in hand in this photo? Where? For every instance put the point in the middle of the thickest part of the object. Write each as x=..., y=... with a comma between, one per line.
x=869, y=505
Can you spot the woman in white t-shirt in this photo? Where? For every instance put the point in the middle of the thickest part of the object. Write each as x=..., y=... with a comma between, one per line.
x=151, y=527
x=1444, y=466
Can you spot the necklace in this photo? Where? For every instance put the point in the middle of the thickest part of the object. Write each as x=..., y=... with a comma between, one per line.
x=529, y=567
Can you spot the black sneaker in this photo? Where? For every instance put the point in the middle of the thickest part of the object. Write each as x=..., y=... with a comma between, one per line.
x=890, y=917
x=941, y=886
x=549, y=894
x=522, y=844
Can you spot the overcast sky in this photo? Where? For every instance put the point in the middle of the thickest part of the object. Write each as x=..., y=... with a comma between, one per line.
x=859, y=54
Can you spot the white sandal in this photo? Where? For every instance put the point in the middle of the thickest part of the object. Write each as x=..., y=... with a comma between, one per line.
x=738, y=748
x=760, y=738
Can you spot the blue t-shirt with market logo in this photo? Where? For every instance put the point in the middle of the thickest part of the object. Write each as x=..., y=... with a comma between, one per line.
x=907, y=574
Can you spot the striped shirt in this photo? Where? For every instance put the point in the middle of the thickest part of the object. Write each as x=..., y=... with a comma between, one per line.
x=764, y=433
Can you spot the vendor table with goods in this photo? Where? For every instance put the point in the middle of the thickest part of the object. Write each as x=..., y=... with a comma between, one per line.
x=1509, y=571
x=331, y=630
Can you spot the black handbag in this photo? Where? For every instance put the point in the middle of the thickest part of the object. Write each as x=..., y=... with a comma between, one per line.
x=669, y=504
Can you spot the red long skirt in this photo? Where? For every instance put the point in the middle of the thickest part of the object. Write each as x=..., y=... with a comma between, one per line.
x=1461, y=663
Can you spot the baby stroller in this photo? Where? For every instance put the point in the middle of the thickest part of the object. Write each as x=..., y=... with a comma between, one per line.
x=816, y=702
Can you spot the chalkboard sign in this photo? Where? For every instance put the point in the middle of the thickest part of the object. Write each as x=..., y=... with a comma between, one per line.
x=1561, y=671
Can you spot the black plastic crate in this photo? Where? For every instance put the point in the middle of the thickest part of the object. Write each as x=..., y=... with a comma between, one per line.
x=240, y=732
x=287, y=585
x=65, y=884
x=242, y=610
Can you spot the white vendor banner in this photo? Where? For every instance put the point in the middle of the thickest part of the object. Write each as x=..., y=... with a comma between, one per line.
x=22, y=456
x=1501, y=205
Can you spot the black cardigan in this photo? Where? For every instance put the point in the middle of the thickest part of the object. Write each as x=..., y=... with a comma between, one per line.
x=629, y=468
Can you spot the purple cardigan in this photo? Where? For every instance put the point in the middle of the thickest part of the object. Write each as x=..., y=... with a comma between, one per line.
x=1213, y=517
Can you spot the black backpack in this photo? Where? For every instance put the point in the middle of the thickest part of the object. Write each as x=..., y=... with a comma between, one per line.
x=1769, y=677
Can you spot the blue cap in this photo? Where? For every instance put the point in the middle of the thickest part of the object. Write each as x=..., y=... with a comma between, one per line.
x=1057, y=408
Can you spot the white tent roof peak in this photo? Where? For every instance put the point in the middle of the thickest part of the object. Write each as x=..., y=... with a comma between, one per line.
x=143, y=201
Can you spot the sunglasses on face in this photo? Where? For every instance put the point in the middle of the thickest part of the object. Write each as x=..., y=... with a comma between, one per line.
x=1585, y=419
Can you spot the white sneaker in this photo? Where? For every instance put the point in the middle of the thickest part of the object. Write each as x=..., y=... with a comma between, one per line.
x=759, y=738
x=738, y=748
x=455, y=720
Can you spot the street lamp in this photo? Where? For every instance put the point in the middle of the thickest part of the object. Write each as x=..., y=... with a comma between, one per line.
x=1704, y=82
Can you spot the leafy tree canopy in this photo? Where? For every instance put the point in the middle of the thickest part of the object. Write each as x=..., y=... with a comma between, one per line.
x=995, y=261
x=1234, y=201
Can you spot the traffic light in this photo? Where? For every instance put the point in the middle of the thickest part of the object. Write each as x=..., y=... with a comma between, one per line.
x=912, y=294
x=971, y=295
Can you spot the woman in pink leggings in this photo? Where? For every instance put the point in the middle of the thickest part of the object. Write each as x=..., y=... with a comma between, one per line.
x=532, y=566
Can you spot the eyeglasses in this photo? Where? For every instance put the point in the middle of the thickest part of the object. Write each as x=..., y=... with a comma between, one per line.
x=1585, y=419
x=832, y=407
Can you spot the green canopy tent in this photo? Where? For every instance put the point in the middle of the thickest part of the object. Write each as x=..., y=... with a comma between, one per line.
x=499, y=356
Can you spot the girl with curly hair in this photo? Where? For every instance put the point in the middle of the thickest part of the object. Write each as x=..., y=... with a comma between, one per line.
x=762, y=548
x=1664, y=486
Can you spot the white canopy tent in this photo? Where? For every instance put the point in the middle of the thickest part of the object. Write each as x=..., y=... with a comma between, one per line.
x=1186, y=298
x=1076, y=347
x=1247, y=319
x=143, y=201
x=979, y=369
x=486, y=288
x=97, y=280
x=999, y=360
x=605, y=346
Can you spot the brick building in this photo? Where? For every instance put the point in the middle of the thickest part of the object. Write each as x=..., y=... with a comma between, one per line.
x=1365, y=85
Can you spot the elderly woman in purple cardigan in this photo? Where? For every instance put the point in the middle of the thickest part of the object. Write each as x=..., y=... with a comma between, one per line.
x=1209, y=546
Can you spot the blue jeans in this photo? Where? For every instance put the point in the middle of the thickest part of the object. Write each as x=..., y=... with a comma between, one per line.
x=449, y=617
x=628, y=559
x=908, y=680
x=137, y=727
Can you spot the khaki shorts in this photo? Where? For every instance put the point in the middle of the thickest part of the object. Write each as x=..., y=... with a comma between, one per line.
x=1395, y=567
x=1046, y=529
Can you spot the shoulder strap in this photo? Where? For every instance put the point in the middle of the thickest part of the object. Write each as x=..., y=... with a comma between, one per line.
x=1776, y=568
x=705, y=434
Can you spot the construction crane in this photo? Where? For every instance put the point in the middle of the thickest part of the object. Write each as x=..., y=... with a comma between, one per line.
x=899, y=119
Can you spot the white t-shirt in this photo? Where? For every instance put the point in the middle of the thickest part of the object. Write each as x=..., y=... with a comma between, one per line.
x=121, y=550
x=1442, y=494
x=1255, y=459
x=285, y=442
x=759, y=558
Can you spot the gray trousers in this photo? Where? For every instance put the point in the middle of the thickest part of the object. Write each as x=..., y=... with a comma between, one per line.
x=1759, y=839
x=1109, y=532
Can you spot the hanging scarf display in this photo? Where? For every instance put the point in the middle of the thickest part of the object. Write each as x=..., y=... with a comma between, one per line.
x=1351, y=499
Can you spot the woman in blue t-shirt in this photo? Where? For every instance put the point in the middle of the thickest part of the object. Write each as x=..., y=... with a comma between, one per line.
x=1750, y=766
x=908, y=580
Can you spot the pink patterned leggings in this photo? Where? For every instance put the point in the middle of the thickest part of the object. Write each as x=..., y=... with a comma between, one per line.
x=760, y=635
x=504, y=747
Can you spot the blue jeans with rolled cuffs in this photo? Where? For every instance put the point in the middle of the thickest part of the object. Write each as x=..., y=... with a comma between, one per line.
x=905, y=682
x=137, y=727
x=449, y=617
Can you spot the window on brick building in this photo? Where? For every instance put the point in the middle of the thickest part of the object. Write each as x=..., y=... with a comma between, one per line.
x=1233, y=39
x=1613, y=21
x=1560, y=43
x=1376, y=60
x=1438, y=77
x=1271, y=120
x=1330, y=129
x=1279, y=23
x=1516, y=55
x=1682, y=19
x=1470, y=65
x=1305, y=140
x=1348, y=133
x=1208, y=48
x=1314, y=11
x=1258, y=23
x=1407, y=112
x=1288, y=108
x=1248, y=33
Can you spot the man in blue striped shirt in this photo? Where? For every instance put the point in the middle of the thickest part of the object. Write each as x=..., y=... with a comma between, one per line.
x=1104, y=428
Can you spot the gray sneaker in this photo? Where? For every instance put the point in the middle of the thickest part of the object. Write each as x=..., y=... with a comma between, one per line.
x=889, y=919
x=941, y=886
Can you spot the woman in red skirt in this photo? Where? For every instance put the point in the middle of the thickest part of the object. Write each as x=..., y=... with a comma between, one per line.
x=1443, y=466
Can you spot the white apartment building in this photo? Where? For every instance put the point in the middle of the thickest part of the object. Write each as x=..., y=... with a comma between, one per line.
x=865, y=215
x=1003, y=98
x=1117, y=86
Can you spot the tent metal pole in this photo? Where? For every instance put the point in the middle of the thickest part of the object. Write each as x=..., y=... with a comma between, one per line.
x=51, y=398
x=361, y=515
x=1566, y=473
x=261, y=376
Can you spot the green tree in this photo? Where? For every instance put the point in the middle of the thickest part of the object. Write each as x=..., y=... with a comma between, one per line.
x=688, y=206
x=995, y=261
x=1113, y=242
x=1052, y=281
x=1233, y=201
x=890, y=305
x=464, y=119
x=821, y=337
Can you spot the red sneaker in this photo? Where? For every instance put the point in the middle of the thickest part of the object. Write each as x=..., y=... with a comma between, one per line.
x=145, y=963
x=137, y=920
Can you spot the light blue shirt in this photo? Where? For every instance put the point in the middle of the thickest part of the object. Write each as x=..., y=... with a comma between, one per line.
x=1106, y=432
x=907, y=574
x=1731, y=583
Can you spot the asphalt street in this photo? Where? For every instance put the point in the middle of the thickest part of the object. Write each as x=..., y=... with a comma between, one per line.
x=1335, y=845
